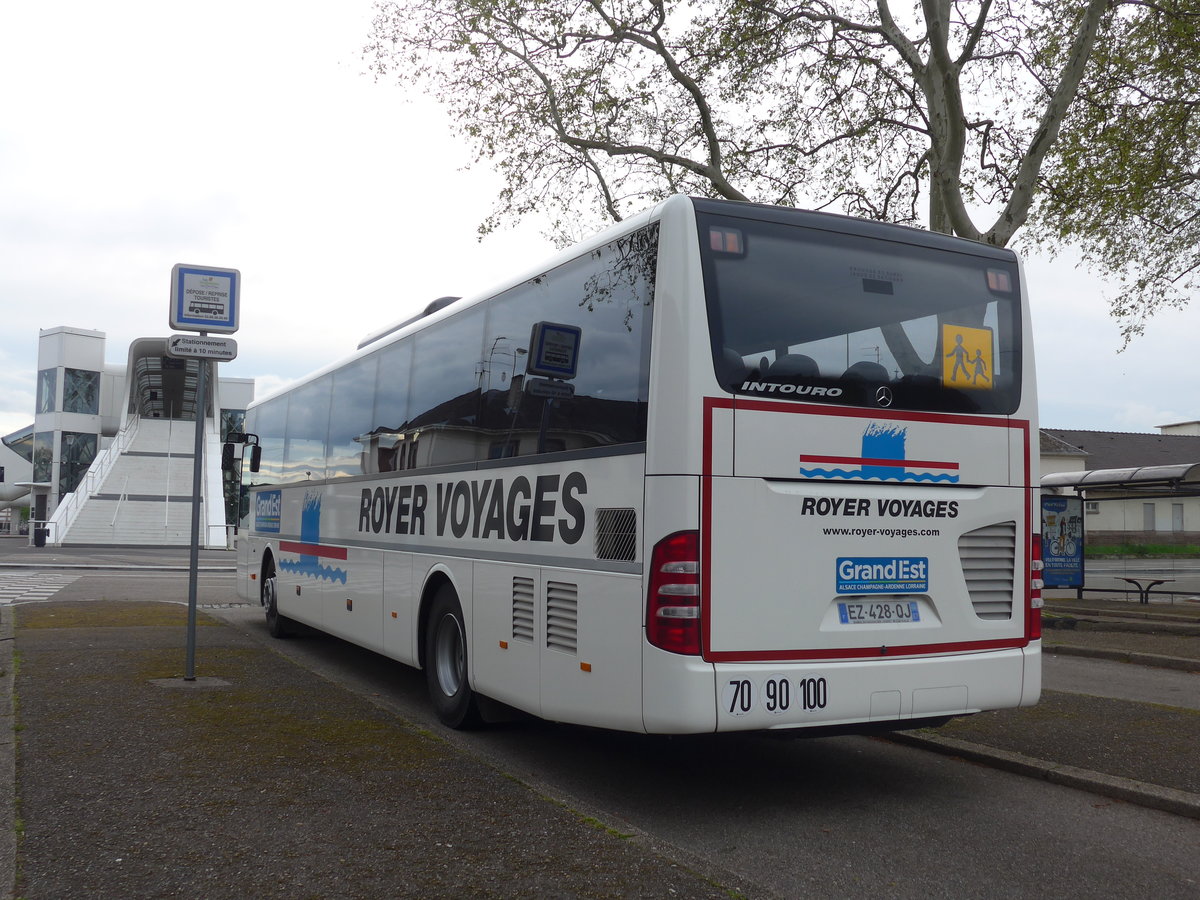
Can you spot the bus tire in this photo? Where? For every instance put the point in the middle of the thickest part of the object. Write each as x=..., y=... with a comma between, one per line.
x=278, y=626
x=446, y=662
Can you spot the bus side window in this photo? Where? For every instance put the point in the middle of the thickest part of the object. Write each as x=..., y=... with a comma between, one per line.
x=444, y=389
x=608, y=296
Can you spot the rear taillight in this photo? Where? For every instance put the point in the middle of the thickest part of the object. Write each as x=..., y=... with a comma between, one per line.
x=1034, y=626
x=673, y=604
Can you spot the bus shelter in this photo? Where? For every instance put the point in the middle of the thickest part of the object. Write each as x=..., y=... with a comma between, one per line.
x=1063, y=495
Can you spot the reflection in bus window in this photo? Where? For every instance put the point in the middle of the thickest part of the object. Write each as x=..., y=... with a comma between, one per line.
x=444, y=389
x=384, y=441
x=607, y=295
x=307, y=427
x=350, y=418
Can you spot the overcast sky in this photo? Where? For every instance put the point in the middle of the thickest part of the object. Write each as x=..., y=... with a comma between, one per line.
x=136, y=134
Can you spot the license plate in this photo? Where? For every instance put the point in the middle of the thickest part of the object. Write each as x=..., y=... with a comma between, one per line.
x=879, y=613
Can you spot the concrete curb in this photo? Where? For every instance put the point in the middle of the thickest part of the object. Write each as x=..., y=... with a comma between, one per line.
x=1154, y=660
x=1180, y=803
x=1137, y=613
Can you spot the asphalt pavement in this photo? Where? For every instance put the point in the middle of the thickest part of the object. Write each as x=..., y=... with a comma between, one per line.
x=121, y=779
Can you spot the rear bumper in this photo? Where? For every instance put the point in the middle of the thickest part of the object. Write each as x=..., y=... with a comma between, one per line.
x=871, y=693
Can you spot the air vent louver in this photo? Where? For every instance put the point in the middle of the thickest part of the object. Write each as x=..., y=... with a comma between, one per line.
x=562, y=616
x=988, y=556
x=616, y=534
x=522, y=609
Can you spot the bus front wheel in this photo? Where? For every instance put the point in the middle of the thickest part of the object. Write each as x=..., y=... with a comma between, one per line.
x=446, y=662
x=277, y=625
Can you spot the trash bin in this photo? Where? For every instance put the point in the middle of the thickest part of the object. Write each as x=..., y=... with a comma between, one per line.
x=39, y=536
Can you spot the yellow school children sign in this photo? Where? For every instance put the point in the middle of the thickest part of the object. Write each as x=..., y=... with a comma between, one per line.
x=967, y=358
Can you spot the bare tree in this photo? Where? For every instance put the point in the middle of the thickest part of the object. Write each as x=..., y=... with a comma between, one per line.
x=973, y=117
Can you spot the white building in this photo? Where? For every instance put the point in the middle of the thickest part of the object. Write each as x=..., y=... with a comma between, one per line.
x=1135, y=501
x=112, y=451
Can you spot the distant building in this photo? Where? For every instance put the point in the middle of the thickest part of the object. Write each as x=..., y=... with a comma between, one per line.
x=1152, y=513
x=16, y=469
x=112, y=446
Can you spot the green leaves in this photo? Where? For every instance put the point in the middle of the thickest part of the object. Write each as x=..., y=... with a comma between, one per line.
x=1125, y=183
x=1073, y=120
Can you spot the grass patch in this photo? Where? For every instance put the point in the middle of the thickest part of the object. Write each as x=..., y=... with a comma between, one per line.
x=1142, y=551
x=607, y=829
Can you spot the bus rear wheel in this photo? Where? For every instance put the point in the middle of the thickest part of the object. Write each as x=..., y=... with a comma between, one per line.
x=446, y=662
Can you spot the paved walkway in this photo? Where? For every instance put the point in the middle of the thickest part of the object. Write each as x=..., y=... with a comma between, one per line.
x=116, y=752
x=270, y=781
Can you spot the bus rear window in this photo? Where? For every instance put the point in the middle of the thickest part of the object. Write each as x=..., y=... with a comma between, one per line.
x=814, y=315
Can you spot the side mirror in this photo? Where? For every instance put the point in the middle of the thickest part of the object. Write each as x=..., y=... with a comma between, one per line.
x=228, y=464
x=255, y=457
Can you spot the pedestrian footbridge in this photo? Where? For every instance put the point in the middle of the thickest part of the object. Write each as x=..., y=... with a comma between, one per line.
x=139, y=491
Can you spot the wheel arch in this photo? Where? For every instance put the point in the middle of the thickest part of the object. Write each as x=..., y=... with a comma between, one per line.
x=433, y=583
x=266, y=568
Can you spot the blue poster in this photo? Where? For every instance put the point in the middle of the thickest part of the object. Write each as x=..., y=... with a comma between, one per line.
x=1062, y=542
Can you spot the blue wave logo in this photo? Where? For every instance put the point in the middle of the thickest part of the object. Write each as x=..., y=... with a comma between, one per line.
x=884, y=458
x=309, y=563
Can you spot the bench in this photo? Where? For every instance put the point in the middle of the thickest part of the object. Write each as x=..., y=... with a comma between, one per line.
x=1144, y=589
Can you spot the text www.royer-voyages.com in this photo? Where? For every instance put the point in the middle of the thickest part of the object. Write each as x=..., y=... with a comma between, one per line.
x=882, y=532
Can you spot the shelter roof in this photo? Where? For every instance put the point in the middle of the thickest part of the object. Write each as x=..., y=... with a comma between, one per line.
x=1181, y=478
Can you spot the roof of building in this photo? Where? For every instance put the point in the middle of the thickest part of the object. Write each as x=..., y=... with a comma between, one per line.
x=1052, y=445
x=1117, y=449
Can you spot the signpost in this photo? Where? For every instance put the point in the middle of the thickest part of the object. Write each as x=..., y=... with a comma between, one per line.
x=218, y=349
x=203, y=299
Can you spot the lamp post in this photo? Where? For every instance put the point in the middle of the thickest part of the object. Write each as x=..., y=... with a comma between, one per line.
x=485, y=365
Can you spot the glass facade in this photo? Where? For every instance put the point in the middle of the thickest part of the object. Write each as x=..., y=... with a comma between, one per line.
x=43, y=456
x=78, y=452
x=232, y=420
x=47, y=390
x=81, y=391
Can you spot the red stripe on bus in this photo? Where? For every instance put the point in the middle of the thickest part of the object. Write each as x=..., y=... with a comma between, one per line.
x=868, y=461
x=312, y=550
x=901, y=652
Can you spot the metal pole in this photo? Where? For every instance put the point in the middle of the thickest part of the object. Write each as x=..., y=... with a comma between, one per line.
x=197, y=483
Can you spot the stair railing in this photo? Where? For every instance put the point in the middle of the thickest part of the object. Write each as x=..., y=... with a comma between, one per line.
x=70, y=505
x=120, y=500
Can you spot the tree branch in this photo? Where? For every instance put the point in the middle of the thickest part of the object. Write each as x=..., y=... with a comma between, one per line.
x=1015, y=212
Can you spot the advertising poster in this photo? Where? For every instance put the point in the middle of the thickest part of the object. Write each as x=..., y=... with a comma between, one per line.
x=1062, y=542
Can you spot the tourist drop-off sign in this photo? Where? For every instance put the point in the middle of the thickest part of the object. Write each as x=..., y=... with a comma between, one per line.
x=205, y=299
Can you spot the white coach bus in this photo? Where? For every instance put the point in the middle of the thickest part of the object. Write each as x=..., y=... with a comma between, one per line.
x=722, y=467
